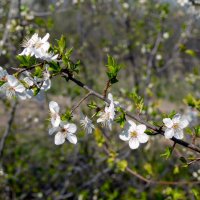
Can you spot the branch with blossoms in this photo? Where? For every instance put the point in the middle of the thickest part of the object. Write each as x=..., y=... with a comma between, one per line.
x=40, y=62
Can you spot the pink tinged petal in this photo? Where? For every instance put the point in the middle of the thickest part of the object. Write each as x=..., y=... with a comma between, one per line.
x=71, y=128
x=183, y=123
x=59, y=138
x=176, y=118
x=134, y=143
x=178, y=134
x=55, y=121
x=124, y=135
x=20, y=88
x=168, y=122
x=143, y=137
x=12, y=80
x=72, y=138
x=54, y=107
x=53, y=130
x=169, y=133
x=141, y=128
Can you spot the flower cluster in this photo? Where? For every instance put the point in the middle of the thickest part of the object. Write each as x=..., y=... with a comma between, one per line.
x=25, y=85
x=38, y=47
x=183, y=2
x=175, y=126
x=106, y=118
x=62, y=129
x=23, y=88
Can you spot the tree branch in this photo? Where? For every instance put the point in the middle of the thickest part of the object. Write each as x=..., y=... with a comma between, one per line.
x=157, y=130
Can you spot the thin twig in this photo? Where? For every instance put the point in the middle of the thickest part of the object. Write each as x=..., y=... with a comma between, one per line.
x=79, y=103
x=193, y=161
x=8, y=128
x=135, y=117
x=106, y=88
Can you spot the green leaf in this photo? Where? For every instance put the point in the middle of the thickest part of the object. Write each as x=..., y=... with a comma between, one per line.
x=168, y=152
x=92, y=105
x=121, y=165
x=183, y=160
x=62, y=44
x=26, y=61
x=190, y=52
x=121, y=119
x=67, y=116
x=112, y=69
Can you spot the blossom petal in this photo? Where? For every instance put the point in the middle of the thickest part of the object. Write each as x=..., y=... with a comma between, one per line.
x=20, y=88
x=53, y=130
x=124, y=136
x=71, y=128
x=168, y=122
x=54, y=107
x=176, y=118
x=178, y=134
x=46, y=37
x=72, y=138
x=59, y=138
x=143, y=137
x=55, y=121
x=12, y=80
x=134, y=143
x=169, y=133
x=141, y=128
x=132, y=124
x=183, y=123
x=110, y=97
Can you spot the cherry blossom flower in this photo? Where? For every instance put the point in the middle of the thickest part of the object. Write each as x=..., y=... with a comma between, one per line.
x=12, y=87
x=38, y=47
x=134, y=134
x=175, y=126
x=54, y=112
x=87, y=124
x=182, y=2
x=64, y=131
x=106, y=118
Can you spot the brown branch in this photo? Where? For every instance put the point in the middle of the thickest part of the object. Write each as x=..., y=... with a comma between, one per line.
x=8, y=128
x=79, y=103
x=106, y=88
x=135, y=117
x=107, y=148
x=193, y=161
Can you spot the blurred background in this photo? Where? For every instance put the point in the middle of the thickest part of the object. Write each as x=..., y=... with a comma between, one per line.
x=157, y=44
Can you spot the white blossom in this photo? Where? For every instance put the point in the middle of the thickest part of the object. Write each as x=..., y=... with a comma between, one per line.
x=107, y=117
x=182, y=2
x=54, y=113
x=38, y=47
x=134, y=134
x=64, y=131
x=166, y=35
x=87, y=124
x=13, y=87
x=175, y=126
